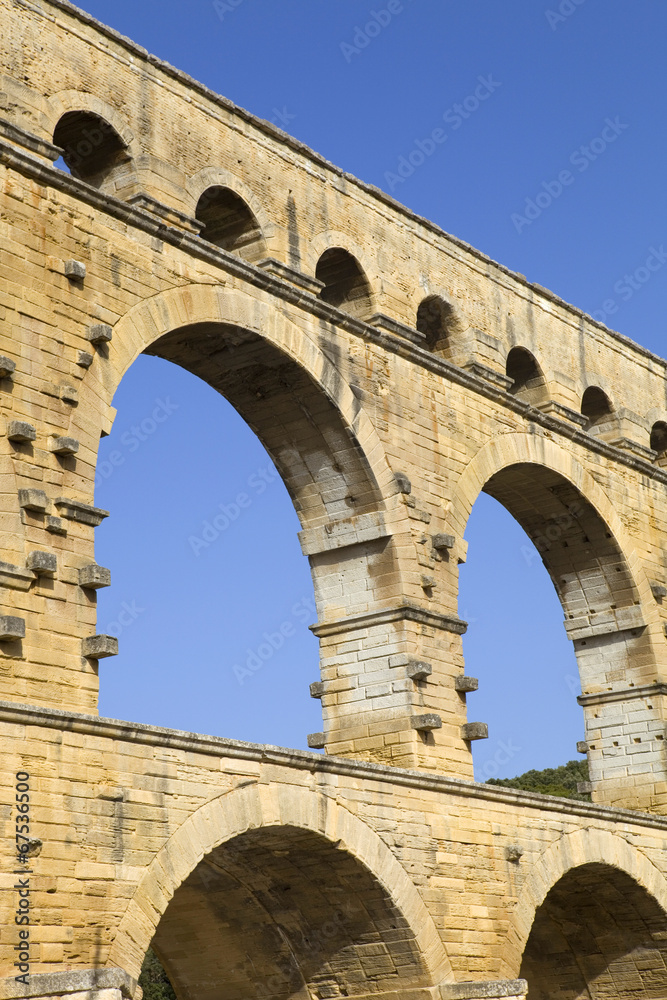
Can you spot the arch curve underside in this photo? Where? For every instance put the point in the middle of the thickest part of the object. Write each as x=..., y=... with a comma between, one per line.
x=589, y=571
x=598, y=935
x=318, y=458
x=281, y=912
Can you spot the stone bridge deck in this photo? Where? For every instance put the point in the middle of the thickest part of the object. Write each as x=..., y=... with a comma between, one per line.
x=382, y=880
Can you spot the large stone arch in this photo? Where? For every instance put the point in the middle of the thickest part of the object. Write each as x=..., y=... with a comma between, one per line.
x=326, y=449
x=568, y=931
x=202, y=304
x=536, y=449
x=571, y=851
x=254, y=807
x=609, y=611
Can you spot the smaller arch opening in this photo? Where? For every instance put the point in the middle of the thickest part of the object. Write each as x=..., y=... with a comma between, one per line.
x=92, y=149
x=528, y=381
x=595, y=406
x=229, y=223
x=436, y=320
x=659, y=438
x=597, y=934
x=345, y=284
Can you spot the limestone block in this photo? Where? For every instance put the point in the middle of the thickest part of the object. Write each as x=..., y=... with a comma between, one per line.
x=419, y=670
x=64, y=446
x=36, y=500
x=42, y=563
x=55, y=525
x=425, y=723
x=7, y=367
x=442, y=542
x=75, y=270
x=69, y=394
x=99, y=333
x=98, y=646
x=19, y=430
x=475, y=731
x=12, y=627
x=94, y=577
x=465, y=684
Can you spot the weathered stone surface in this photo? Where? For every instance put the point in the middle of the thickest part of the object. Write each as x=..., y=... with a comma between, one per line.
x=316, y=741
x=513, y=989
x=75, y=510
x=55, y=525
x=443, y=541
x=36, y=500
x=419, y=670
x=466, y=684
x=69, y=394
x=426, y=722
x=381, y=862
x=475, y=731
x=98, y=646
x=42, y=563
x=20, y=430
x=75, y=270
x=12, y=627
x=64, y=446
x=99, y=333
x=94, y=576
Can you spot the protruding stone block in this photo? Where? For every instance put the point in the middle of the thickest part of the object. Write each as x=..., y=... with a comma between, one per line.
x=11, y=628
x=425, y=723
x=582, y=746
x=93, y=577
x=33, y=500
x=20, y=431
x=75, y=270
x=69, y=394
x=513, y=852
x=7, y=367
x=584, y=787
x=316, y=689
x=466, y=684
x=96, y=647
x=75, y=510
x=475, y=731
x=42, y=563
x=84, y=359
x=15, y=577
x=513, y=989
x=64, y=446
x=419, y=670
x=441, y=542
x=428, y=582
x=403, y=483
x=99, y=333
x=658, y=590
x=316, y=741
x=55, y=525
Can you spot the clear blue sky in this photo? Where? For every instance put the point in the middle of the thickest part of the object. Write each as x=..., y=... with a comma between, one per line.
x=560, y=70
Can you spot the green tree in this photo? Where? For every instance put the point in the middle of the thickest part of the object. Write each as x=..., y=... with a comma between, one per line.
x=560, y=781
x=153, y=980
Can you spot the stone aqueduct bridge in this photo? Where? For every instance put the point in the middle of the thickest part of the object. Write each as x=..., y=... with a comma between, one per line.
x=393, y=373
